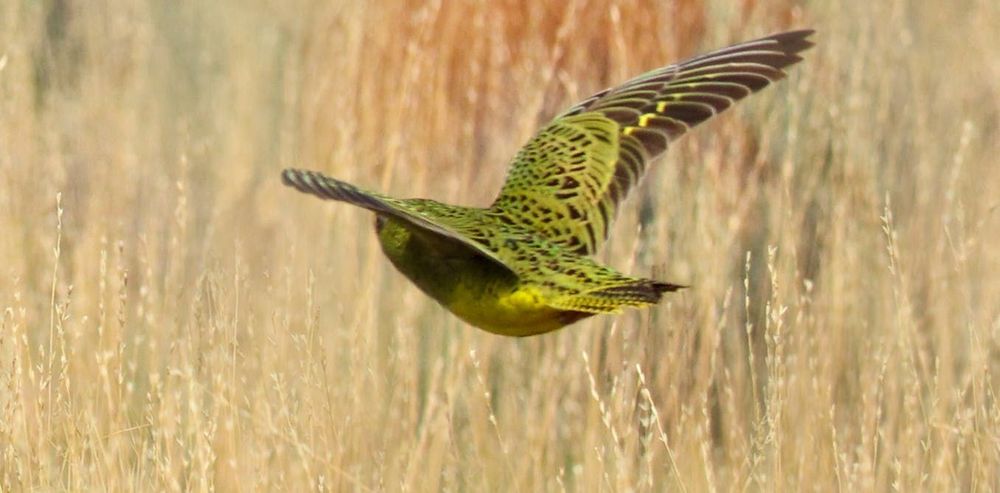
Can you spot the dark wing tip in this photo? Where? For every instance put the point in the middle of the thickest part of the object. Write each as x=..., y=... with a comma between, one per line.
x=786, y=45
x=795, y=35
x=289, y=176
x=792, y=42
x=299, y=179
x=318, y=184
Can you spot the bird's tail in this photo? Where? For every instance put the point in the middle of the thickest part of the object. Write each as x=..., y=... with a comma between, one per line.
x=637, y=293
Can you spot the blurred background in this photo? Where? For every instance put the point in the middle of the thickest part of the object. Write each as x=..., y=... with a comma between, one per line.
x=173, y=318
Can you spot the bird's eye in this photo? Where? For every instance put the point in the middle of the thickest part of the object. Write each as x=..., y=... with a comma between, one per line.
x=379, y=223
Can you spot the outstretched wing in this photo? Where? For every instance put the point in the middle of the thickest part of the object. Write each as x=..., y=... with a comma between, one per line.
x=411, y=212
x=567, y=182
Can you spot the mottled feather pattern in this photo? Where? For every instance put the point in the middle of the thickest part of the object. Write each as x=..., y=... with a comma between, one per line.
x=626, y=127
x=523, y=265
x=557, y=181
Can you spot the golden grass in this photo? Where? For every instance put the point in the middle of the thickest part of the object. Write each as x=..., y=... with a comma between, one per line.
x=175, y=319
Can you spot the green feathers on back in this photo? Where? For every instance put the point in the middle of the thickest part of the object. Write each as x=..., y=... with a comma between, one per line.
x=559, y=180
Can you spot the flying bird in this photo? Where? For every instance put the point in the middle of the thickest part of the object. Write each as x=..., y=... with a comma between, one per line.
x=523, y=265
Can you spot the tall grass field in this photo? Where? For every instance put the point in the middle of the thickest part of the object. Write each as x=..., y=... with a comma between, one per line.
x=172, y=318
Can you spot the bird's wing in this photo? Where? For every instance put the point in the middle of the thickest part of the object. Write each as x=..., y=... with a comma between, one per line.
x=567, y=181
x=412, y=212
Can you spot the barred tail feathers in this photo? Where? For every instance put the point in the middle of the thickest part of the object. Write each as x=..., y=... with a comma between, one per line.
x=637, y=293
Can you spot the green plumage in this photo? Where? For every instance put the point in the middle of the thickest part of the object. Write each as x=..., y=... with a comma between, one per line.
x=523, y=266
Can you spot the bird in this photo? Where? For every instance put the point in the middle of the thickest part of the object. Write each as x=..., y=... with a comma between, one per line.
x=523, y=266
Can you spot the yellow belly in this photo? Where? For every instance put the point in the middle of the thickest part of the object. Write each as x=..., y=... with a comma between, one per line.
x=522, y=312
x=473, y=288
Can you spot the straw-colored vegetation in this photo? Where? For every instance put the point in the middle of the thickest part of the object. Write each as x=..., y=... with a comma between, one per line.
x=172, y=318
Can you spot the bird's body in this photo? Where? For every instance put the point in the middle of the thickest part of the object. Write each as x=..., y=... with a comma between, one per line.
x=523, y=266
x=550, y=287
x=479, y=292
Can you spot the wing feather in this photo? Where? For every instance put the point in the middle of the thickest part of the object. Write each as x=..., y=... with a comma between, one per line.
x=324, y=187
x=567, y=181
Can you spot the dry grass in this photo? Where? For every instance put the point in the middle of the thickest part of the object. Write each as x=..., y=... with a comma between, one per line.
x=178, y=320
